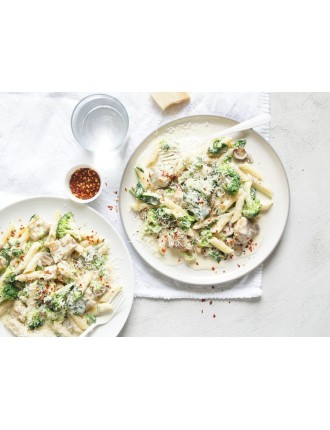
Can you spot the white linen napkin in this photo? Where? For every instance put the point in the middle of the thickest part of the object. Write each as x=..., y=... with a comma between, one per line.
x=37, y=148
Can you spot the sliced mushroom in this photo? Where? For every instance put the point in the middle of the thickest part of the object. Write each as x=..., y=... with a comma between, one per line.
x=238, y=248
x=254, y=229
x=240, y=154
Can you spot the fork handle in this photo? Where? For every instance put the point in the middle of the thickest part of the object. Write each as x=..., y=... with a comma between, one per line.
x=262, y=119
x=87, y=331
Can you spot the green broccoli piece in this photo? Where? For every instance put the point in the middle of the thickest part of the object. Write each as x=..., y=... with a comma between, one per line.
x=16, y=252
x=5, y=253
x=91, y=319
x=233, y=183
x=186, y=222
x=216, y=255
x=66, y=225
x=217, y=147
x=94, y=260
x=97, y=288
x=240, y=143
x=9, y=291
x=227, y=159
x=157, y=219
x=205, y=236
x=34, y=319
x=76, y=304
x=164, y=146
x=140, y=193
x=57, y=301
x=252, y=205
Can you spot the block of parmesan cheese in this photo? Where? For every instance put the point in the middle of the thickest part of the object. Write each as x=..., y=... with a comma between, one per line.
x=165, y=100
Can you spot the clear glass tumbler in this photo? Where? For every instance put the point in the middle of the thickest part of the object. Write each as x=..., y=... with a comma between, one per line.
x=100, y=123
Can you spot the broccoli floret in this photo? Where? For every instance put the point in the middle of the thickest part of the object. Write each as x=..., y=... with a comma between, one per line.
x=217, y=147
x=164, y=146
x=216, y=255
x=227, y=159
x=186, y=222
x=57, y=301
x=5, y=253
x=94, y=260
x=233, y=183
x=9, y=275
x=240, y=143
x=97, y=288
x=157, y=219
x=140, y=193
x=91, y=319
x=34, y=319
x=252, y=205
x=76, y=304
x=9, y=291
x=66, y=225
x=205, y=236
x=78, y=307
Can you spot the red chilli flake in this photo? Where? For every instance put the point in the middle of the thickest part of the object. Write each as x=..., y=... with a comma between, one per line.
x=214, y=316
x=110, y=207
x=85, y=183
x=213, y=268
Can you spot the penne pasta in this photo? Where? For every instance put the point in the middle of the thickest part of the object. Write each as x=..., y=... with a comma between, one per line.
x=247, y=168
x=222, y=222
x=220, y=244
x=262, y=187
x=239, y=206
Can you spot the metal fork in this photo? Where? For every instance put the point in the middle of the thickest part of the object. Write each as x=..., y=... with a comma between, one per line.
x=116, y=304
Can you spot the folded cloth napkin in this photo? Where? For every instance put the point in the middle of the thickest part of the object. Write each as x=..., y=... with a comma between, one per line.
x=37, y=148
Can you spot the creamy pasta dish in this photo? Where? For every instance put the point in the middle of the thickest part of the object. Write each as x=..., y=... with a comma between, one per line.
x=55, y=279
x=204, y=204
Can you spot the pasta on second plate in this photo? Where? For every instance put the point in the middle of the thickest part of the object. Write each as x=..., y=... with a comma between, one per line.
x=204, y=204
x=54, y=278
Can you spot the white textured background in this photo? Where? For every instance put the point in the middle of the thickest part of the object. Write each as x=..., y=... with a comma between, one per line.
x=296, y=300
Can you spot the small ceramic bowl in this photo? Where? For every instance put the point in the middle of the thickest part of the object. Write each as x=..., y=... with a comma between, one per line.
x=67, y=183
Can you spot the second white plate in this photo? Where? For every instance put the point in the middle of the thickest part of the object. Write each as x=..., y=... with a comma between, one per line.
x=84, y=215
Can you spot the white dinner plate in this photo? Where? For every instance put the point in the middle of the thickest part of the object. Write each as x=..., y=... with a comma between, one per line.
x=188, y=131
x=21, y=212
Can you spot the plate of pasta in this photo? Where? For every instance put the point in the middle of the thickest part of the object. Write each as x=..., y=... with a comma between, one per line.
x=62, y=267
x=204, y=210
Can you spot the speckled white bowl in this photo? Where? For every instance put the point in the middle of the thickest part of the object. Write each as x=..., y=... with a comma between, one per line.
x=67, y=183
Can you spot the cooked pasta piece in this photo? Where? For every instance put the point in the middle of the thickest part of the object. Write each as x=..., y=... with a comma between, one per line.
x=262, y=187
x=265, y=206
x=220, y=244
x=247, y=168
x=239, y=206
x=223, y=220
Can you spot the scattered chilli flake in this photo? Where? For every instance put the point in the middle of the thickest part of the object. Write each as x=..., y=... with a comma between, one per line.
x=203, y=300
x=213, y=269
x=238, y=266
x=214, y=316
x=110, y=207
